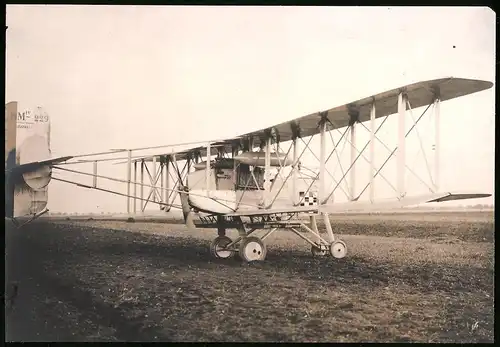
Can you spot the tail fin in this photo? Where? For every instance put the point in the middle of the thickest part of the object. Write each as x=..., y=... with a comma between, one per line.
x=27, y=140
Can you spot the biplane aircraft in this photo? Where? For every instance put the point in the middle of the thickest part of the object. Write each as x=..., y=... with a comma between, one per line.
x=247, y=182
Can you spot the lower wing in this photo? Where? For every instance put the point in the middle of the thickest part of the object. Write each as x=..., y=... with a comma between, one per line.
x=367, y=206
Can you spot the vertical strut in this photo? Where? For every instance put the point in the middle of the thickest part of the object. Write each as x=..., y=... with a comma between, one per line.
x=328, y=226
x=95, y=174
x=314, y=227
x=267, y=171
x=135, y=186
x=167, y=183
x=162, y=191
x=401, y=143
x=142, y=185
x=322, y=156
x=129, y=173
x=372, y=152
x=437, y=146
x=352, y=176
x=234, y=153
x=153, y=183
x=295, y=169
x=188, y=168
x=207, y=170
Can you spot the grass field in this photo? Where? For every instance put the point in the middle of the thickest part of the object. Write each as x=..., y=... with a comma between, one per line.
x=406, y=278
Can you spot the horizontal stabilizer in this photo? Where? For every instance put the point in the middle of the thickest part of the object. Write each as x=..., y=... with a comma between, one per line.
x=20, y=169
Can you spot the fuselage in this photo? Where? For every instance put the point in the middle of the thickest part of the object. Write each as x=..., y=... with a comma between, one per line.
x=237, y=186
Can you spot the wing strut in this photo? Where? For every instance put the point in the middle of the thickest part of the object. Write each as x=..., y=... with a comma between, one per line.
x=373, y=112
x=437, y=148
x=401, y=143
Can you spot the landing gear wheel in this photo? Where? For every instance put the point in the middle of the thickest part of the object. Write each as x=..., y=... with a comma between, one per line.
x=318, y=251
x=252, y=249
x=338, y=249
x=218, y=248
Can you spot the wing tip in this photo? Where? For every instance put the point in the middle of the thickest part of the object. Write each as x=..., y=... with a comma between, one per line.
x=460, y=196
x=483, y=84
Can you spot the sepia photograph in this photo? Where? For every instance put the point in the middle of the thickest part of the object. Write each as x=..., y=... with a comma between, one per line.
x=249, y=174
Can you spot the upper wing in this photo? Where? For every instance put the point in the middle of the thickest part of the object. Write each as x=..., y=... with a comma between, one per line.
x=20, y=169
x=419, y=94
x=200, y=151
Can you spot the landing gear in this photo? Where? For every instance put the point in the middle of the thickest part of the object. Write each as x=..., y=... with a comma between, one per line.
x=338, y=249
x=219, y=249
x=319, y=251
x=252, y=249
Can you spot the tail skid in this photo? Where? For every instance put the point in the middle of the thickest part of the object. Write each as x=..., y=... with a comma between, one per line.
x=35, y=216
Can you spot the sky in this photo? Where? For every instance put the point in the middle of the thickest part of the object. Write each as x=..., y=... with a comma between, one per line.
x=137, y=76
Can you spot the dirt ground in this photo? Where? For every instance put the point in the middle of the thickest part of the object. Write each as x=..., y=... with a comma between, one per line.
x=408, y=279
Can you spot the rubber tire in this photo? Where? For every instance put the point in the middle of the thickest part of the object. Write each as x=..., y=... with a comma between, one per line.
x=221, y=241
x=333, y=251
x=245, y=243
